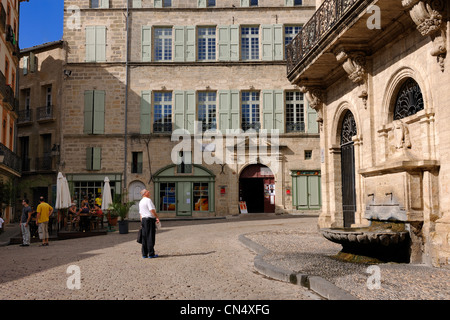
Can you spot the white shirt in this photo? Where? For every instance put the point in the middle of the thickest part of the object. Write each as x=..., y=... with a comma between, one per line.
x=145, y=208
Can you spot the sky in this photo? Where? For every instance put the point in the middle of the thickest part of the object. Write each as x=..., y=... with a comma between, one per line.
x=41, y=21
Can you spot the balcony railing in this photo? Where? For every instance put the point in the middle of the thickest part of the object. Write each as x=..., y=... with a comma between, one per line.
x=44, y=113
x=255, y=126
x=44, y=164
x=317, y=28
x=25, y=116
x=10, y=159
x=295, y=127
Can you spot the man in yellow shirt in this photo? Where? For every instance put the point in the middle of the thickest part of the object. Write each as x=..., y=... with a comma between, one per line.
x=44, y=211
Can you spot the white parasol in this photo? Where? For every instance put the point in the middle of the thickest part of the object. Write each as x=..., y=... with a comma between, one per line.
x=63, y=198
x=106, y=195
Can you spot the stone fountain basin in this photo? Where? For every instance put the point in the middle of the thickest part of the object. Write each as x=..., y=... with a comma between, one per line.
x=365, y=236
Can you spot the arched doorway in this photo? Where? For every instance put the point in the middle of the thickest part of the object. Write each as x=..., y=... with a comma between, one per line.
x=257, y=189
x=348, y=130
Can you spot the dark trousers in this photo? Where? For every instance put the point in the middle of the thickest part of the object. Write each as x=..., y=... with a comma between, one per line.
x=148, y=236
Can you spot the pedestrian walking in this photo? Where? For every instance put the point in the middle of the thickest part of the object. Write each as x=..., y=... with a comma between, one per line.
x=1, y=224
x=44, y=211
x=149, y=218
x=25, y=223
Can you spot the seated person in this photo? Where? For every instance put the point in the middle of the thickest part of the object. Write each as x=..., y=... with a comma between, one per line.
x=84, y=217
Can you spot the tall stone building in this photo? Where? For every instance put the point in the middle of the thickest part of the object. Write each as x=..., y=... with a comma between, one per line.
x=39, y=121
x=10, y=167
x=139, y=73
x=378, y=74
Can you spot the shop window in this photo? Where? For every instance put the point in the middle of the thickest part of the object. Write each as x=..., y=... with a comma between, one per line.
x=167, y=199
x=201, y=199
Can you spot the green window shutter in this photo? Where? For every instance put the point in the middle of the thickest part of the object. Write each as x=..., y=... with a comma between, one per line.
x=100, y=43
x=146, y=109
x=179, y=44
x=90, y=43
x=137, y=3
x=224, y=110
x=245, y=3
x=273, y=110
x=89, y=152
x=190, y=103
x=179, y=106
x=279, y=111
x=313, y=126
x=104, y=4
x=268, y=106
x=223, y=43
x=96, y=158
x=202, y=3
x=190, y=37
x=146, y=43
x=25, y=65
x=278, y=42
x=234, y=43
x=289, y=3
x=158, y=3
x=235, y=109
x=267, y=35
x=88, y=111
x=99, y=112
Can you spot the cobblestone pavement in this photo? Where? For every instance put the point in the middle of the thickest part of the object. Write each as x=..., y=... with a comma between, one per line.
x=197, y=260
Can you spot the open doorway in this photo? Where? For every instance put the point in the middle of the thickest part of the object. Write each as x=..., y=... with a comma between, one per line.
x=257, y=189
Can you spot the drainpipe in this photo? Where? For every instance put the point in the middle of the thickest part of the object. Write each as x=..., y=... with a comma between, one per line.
x=124, y=187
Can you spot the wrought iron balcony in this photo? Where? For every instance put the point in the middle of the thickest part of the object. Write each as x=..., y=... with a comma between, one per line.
x=162, y=127
x=321, y=24
x=10, y=159
x=45, y=113
x=44, y=164
x=255, y=126
x=295, y=127
x=25, y=116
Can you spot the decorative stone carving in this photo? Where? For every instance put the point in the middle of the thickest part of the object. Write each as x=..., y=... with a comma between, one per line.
x=354, y=64
x=428, y=16
x=401, y=135
x=315, y=97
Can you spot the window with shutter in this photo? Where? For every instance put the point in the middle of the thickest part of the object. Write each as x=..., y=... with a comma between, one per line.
x=95, y=43
x=93, y=158
x=94, y=112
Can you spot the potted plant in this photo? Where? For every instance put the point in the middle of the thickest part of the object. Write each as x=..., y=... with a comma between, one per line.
x=120, y=210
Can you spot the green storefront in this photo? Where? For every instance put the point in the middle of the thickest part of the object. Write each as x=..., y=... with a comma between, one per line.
x=306, y=191
x=184, y=194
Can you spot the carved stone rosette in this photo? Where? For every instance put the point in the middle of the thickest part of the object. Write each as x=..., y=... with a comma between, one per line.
x=429, y=16
x=354, y=63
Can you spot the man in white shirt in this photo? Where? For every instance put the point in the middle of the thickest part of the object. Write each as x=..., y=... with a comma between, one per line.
x=147, y=212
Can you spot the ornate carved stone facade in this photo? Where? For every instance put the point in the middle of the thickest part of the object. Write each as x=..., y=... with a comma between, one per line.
x=396, y=162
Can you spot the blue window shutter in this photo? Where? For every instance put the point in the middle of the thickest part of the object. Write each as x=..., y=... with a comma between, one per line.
x=88, y=111
x=146, y=43
x=146, y=109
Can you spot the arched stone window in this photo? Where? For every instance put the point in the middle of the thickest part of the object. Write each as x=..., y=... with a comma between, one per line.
x=409, y=100
x=348, y=128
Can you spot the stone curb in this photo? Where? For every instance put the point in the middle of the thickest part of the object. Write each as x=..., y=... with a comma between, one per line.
x=317, y=284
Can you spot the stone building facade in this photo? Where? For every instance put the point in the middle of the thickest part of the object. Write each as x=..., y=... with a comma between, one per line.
x=10, y=167
x=198, y=66
x=39, y=122
x=379, y=82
